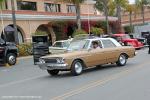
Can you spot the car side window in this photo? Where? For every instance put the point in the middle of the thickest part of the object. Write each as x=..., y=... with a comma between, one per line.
x=99, y=44
x=108, y=44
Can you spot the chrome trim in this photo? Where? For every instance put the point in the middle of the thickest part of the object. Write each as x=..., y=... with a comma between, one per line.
x=52, y=66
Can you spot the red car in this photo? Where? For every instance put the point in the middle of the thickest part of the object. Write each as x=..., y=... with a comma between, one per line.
x=126, y=40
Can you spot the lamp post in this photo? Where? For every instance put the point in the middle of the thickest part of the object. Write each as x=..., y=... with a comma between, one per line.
x=14, y=22
x=88, y=4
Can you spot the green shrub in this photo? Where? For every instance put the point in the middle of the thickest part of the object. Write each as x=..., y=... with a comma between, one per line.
x=25, y=49
x=97, y=31
x=39, y=33
x=79, y=32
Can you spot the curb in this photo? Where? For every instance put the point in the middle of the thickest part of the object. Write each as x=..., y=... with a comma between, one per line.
x=27, y=57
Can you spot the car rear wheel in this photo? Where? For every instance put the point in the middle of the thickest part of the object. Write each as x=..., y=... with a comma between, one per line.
x=53, y=72
x=76, y=68
x=11, y=59
x=122, y=60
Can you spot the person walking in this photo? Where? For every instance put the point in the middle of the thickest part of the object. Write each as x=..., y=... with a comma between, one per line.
x=148, y=42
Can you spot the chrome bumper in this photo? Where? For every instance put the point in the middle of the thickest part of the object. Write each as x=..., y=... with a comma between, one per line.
x=49, y=66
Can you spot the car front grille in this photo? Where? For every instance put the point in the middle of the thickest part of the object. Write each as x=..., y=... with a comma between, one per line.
x=50, y=60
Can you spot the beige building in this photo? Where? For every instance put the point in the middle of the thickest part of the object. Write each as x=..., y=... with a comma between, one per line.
x=33, y=15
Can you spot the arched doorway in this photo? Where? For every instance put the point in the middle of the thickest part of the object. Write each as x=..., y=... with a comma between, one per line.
x=8, y=34
x=47, y=29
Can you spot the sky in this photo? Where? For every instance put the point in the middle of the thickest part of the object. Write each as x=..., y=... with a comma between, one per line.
x=131, y=1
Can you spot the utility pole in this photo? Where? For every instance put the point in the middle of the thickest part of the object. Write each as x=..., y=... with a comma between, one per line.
x=14, y=22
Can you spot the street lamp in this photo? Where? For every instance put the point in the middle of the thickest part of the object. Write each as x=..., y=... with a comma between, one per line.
x=88, y=2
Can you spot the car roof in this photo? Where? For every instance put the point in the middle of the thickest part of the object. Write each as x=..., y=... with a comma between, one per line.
x=100, y=39
x=63, y=40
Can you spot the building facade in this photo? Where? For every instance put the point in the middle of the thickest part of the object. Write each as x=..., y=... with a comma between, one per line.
x=40, y=15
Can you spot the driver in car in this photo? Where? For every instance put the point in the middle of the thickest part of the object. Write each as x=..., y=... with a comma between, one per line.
x=95, y=45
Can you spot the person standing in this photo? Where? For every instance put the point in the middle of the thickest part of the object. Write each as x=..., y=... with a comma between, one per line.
x=148, y=42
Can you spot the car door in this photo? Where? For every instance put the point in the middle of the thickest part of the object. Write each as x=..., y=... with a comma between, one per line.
x=110, y=51
x=95, y=56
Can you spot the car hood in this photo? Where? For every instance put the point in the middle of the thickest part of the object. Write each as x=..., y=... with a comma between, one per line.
x=66, y=54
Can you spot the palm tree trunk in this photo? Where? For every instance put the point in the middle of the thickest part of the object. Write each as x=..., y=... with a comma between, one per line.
x=130, y=15
x=106, y=16
x=119, y=16
x=78, y=16
x=143, y=14
x=14, y=22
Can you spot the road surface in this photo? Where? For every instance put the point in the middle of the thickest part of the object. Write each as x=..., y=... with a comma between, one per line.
x=25, y=81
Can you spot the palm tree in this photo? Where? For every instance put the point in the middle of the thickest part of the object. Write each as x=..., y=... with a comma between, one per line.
x=131, y=9
x=102, y=5
x=140, y=5
x=119, y=5
x=77, y=5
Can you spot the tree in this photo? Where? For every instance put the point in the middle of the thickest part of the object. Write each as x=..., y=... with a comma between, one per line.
x=77, y=5
x=120, y=4
x=140, y=5
x=102, y=5
x=131, y=9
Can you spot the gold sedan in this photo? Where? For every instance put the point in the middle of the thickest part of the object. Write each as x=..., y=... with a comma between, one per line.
x=86, y=53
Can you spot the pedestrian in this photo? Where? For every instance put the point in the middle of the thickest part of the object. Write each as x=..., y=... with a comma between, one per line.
x=148, y=42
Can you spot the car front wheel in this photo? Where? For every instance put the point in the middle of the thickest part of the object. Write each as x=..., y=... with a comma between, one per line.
x=53, y=72
x=11, y=59
x=76, y=68
x=122, y=60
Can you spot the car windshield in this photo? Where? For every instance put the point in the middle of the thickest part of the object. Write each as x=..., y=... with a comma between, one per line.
x=126, y=37
x=78, y=45
x=64, y=44
x=57, y=44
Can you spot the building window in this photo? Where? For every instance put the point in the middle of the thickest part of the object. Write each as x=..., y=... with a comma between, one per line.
x=24, y=5
x=52, y=7
x=71, y=8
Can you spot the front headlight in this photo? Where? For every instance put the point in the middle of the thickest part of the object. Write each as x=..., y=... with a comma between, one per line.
x=42, y=61
x=60, y=60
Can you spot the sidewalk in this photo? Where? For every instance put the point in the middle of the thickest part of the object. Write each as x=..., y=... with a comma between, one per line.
x=26, y=57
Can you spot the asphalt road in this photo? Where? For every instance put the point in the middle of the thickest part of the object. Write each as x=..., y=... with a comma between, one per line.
x=27, y=82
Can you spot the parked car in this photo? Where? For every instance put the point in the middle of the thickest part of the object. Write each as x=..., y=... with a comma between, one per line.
x=140, y=39
x=8, y=52
x=59, y=46
x=80, y=55
x=126, y=40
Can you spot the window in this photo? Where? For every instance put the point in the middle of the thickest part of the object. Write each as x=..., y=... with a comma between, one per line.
x=99, y=44
x=71, y=8
x=24, y=5
x=52, y=7
x=108, y=44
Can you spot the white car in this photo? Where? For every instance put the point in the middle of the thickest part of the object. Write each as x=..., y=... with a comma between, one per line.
x=59, y=46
